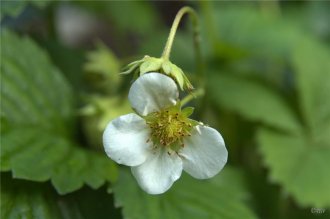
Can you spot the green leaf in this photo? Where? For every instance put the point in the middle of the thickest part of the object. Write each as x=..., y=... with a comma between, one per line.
x=253, y=101
x=298, y=164
x=28, y=200
x=253, y=42
x=220, y=197
x=312, y=72
x=37, y=105
x=296, y=159
x=23, y=199
x=253, y=32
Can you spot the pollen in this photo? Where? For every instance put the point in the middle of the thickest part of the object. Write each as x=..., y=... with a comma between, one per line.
x=169, y=126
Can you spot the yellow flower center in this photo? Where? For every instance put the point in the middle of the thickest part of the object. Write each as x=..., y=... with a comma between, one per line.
x=169, y=126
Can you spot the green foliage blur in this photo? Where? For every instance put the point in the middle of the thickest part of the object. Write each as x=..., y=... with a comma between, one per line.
x=267, y=73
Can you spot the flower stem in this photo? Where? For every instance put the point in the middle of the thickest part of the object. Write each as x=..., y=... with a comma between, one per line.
x=170, y=39
x=197, y=93
x=196, y=37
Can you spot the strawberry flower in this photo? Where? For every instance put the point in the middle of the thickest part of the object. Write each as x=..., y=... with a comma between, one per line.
x=160, y=140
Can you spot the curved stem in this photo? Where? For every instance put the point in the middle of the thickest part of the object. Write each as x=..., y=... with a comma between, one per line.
x=200, y=77
x=170, y=39
x=196, y=38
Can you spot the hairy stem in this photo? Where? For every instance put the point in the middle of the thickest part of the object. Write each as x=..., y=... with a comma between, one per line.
x=196, y=37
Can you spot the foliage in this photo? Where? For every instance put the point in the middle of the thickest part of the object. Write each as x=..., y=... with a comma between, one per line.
x=253, y=101
x=304, y=148
x=221, y=197
x=34, y=200
x=40, y=113
x=310, y=149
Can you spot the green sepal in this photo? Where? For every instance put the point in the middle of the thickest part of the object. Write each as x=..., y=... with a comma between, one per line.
x=167, y=67
x=160, y=65
x=131, y=67
x=150, y=64
x=188, y=111
x=195, y=123
x=177, y=74
x=187, y=85
x=178, y=105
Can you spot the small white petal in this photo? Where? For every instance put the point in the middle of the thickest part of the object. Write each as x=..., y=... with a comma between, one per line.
x=159, y=172
x=204, y=153
x=125, y=140
x=152, y=92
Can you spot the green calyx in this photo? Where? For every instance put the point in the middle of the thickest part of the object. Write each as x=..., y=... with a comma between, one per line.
x=161, y=65
x=169, y=126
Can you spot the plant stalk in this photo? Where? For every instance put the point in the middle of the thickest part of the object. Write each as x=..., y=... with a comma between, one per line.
x=196, y=38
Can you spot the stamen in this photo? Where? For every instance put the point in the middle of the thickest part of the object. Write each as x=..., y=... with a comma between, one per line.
x=168, y=127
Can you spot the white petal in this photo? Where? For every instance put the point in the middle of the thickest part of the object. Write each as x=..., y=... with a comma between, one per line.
x=159, y=172
x=152, y=92
x=125, y=140
x=204, y=153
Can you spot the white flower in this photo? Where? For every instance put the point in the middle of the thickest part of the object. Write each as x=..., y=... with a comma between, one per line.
x=162, y=141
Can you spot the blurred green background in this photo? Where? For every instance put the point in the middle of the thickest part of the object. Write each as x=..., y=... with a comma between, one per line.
x=268, y=92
